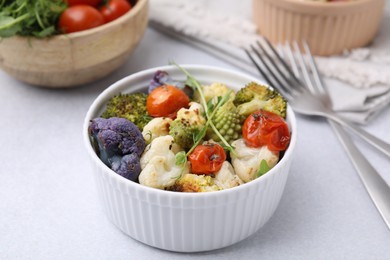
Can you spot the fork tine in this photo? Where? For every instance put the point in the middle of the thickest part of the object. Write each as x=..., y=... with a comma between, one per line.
x=303, y=67
x=286, y=49
x=258, y=66
x=316, y=75
x=268, y=73
x=267, y=66
x=273, y=66
x=283, y=62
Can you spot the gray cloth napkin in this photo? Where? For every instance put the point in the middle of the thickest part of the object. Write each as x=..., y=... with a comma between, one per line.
x=365, y=90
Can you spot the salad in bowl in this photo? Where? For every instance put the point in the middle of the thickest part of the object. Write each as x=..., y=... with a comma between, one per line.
x=191, y=137
x=190, y=158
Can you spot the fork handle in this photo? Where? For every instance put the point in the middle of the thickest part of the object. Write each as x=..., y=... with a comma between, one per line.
x=371, y=139
x=376, y=187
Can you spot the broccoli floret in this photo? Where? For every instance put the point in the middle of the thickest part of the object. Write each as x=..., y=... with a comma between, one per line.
x=255, y=96
x=129, y=106
x=188, y=123
x=228, y=122
x=119, y=144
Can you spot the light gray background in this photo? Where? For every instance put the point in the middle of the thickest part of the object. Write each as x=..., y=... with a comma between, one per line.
x=49, y=207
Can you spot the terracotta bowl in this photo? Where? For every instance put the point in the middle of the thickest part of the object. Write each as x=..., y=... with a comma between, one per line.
x=329, y=27
x=73, y=59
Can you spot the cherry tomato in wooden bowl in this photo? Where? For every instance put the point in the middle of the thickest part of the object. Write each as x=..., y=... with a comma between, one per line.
x=165, y=101
x=266, y=128
x=80, y=17
x=207, y=158
x=114, y=9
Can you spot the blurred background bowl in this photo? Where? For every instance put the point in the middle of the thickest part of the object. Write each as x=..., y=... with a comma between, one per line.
x=73, y=59
x=187, y=222
x=328, y=27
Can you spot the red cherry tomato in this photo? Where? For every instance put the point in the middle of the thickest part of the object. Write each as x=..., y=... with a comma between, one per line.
x=165, y=101
x=114, y=9
x=266, y=128
x=78, y=18
x=94, y=3
x=207, y=158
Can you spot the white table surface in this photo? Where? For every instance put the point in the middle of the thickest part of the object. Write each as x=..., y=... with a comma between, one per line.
x=49, y=207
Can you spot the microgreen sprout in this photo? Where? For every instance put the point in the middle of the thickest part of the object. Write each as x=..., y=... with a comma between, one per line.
x=210, y=109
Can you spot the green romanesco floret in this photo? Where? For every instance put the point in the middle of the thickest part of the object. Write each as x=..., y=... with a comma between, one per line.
x=188, y=123
x=129, y=106
x=255, y=96
x=228, y=122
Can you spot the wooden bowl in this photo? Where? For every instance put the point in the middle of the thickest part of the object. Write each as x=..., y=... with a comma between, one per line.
x=73, y=59
x=329, y=27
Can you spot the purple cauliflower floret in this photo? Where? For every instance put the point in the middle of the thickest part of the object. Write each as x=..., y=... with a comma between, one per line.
x=160, y=78
x=118, y=135
x=115, y=139
x=128, y=166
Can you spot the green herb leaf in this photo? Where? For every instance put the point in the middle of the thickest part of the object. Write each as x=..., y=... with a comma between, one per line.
x=189, y=82
x=200, y=134
x=181, y=158
x=263, y=168
x=45, y=32
x=30, y=18
x=8, y=26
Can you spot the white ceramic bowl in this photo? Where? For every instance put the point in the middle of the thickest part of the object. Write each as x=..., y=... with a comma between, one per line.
x=187, y=222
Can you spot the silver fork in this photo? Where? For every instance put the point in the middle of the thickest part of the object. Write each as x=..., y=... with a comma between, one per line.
x=276, y=71
x=376, y=187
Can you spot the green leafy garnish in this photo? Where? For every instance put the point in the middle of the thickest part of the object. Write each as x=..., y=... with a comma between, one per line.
x=181, y=158
x=210, y=110
x=30, y=17
x=264, y=167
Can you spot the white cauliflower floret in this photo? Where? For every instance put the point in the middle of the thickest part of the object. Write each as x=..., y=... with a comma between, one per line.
x=195, y=183
x=158, y=126
x=226, y=178
x=211, y=91
x=247, y=160
x=158, y=164
x=192, y=115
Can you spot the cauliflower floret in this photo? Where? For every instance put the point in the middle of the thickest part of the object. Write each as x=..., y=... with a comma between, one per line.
x=158, y=126
x=247, y=160
x=193, y=115
x=226, y=178
x=195, y=183
x=158, y=164
x=210, y=91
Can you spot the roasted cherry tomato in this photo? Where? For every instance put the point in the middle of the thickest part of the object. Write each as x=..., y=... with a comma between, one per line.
x=266, y=128
x=80, y=17
x=165, y=101
x=94, y=3
x=207, y=158
x=114, y=9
